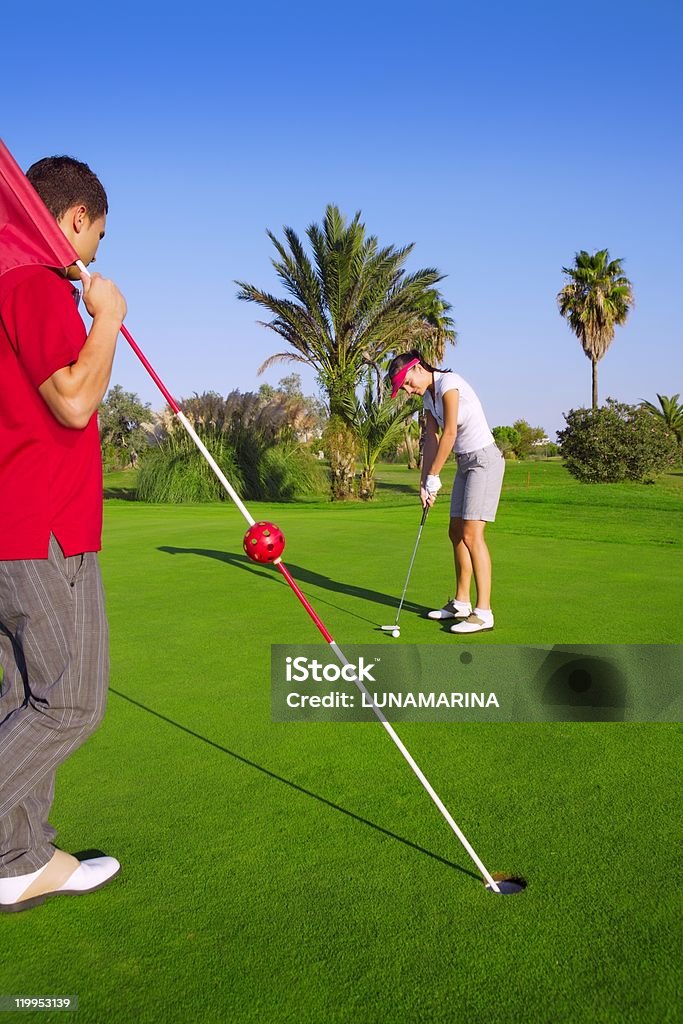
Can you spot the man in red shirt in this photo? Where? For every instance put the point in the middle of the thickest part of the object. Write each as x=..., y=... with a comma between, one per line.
x=53, y=629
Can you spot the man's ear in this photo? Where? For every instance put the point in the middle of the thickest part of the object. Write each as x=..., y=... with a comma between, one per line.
x=75, y=219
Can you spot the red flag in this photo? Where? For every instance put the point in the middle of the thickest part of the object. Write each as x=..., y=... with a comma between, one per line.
x=29, y=234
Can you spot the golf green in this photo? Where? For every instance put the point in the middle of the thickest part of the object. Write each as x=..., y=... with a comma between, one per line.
x=299, y=873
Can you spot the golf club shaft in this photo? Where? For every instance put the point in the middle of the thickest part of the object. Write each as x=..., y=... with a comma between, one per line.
x=410, y=567
x=302, y=598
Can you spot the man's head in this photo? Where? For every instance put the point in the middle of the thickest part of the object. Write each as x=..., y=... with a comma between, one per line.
x=76, y=198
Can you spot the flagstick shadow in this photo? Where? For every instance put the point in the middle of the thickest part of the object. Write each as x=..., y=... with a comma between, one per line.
x=302, y=575
x=298, y=788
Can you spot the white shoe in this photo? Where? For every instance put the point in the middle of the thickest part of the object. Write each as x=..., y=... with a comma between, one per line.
x=450, y=611
x=63, y=875
x=473, y=624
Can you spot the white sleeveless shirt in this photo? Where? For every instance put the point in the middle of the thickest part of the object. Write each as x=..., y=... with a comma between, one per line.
x=473, y=430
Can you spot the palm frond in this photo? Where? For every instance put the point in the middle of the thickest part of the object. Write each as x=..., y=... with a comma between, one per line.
x=283, y=357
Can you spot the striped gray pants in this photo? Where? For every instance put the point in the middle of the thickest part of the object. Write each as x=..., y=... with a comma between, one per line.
x=54, y=653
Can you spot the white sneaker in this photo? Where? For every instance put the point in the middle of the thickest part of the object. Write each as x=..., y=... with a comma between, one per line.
x=473, y=624
x=63, y=875
x=451, y=611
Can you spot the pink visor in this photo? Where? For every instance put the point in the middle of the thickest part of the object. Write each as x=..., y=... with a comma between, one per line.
x=398, y=378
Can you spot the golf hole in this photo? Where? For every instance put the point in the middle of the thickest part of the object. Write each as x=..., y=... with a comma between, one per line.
x=509, y=885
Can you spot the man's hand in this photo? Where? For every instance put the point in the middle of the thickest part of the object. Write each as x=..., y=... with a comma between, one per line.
x=74, y=392
x=102, y=298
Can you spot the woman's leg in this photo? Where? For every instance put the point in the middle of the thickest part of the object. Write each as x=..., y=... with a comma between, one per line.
x=478, y=552
x=462, y=559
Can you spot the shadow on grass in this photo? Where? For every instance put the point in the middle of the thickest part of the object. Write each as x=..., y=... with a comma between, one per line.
x=295, y=786
x=120, y=493
x=302, y=576
x=411, y=489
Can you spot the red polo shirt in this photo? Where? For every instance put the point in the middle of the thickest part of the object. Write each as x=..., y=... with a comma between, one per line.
x=50, y=475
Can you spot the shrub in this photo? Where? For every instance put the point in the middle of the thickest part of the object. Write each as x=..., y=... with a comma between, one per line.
x=120, y=419
x=177, y=472
x=506, y=438
x=616, y=442
x=520, y=439
x=288, y=470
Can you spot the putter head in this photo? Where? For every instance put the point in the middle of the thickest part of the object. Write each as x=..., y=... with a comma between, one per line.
x=394, y=630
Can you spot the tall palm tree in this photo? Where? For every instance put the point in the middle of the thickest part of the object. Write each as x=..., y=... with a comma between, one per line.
x=597, y=298
x=351, y=302
x=670, y=410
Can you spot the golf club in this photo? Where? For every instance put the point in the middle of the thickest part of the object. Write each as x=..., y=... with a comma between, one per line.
x=395, y=630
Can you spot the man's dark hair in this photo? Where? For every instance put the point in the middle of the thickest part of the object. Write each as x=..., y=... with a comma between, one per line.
x=63, y=182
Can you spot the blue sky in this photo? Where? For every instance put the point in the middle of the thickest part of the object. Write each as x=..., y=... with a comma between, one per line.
x=498, y=138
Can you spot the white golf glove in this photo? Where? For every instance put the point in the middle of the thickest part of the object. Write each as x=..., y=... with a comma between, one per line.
x=433, y=485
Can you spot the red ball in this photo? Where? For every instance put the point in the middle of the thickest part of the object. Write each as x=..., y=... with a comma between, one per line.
x=264, y=542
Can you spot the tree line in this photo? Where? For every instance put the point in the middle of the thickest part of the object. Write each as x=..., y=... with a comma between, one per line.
x=348, y=306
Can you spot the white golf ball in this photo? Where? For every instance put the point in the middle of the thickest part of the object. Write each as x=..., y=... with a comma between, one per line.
x=395, y=633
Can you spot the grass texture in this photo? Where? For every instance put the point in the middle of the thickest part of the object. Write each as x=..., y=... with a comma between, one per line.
x=298, y=873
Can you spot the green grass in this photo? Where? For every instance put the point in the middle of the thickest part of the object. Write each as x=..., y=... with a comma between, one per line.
x=290, y=873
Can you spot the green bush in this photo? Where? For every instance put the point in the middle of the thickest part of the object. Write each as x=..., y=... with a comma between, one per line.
x=616, y=442
x=177, y=472
x=288, y=470
x=507, y=439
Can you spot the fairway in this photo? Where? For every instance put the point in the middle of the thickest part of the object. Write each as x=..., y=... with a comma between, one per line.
x=298, y=873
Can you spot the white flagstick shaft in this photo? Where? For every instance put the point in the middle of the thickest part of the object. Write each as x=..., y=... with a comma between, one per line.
x=420, y=775
x=215, y=467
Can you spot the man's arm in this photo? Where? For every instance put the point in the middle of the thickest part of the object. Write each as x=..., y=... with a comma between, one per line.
x=74, y=392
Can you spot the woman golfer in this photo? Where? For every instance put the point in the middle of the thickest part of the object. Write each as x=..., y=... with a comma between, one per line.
x=454, y=412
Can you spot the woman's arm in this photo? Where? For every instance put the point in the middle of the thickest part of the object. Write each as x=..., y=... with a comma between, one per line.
x=429, y=447
x=440, y=456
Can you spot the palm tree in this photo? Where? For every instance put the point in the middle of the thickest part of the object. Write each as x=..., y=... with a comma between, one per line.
x=435, y=328
x=378, y=425
x=351, y=302
x=671, y=411
x=597, y=298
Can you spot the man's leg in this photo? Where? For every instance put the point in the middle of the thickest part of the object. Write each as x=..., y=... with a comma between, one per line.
x=53, y=646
